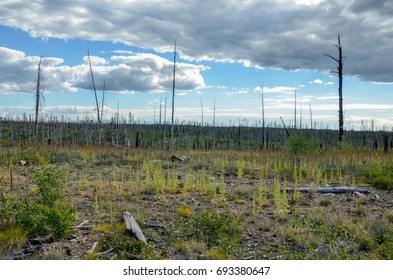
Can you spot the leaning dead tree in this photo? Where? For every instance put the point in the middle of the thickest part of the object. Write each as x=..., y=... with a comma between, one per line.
x=38, y=93
x=94, y=88
x=340, y=89
x=285, y=127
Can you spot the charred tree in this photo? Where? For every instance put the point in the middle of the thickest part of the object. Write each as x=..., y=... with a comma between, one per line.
x=263, y=120
x=94, y=88
x=173, y=95
x=294, y=125
x=340, y=89
x=285, y=127
x=38, y=93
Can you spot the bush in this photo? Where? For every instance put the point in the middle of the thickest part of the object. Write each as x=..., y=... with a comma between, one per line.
x=49, y=181
x=12, y=240
x=47, y=212
x=382, y=183
x=299, y=144
x=59, y=219
x=223, y=230
x=379, y=175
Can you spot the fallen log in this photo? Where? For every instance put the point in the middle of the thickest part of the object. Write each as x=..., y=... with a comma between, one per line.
x=132, y=225
x=179, y=158
x=342, y=189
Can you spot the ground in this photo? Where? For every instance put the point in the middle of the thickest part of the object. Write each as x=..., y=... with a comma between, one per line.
x=208, y=205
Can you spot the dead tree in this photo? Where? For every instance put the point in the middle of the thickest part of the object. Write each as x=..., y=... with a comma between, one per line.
x=263, y=120
x=202, y=112
x=173, y=94
x=285, y=127
x=340, y=89
x=102, y=103
x=310, y=115
x=94, y=88
x=39, y=90
x=294, y=125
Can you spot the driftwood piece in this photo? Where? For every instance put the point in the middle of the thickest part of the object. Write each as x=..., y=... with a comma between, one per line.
x=179, y=158
x=83, y=225
x=105, y=252
x=39, y=240
x=342, y=189
x=133, y=226
x=93, y=248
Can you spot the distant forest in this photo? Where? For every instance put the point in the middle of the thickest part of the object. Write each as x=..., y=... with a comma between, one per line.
x=134, y=135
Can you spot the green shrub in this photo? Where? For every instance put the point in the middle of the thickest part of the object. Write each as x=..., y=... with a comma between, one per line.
x=378, y=174
x=59, y=219
x=380, y=232
x=299, y=144
x=223, y=230
x=12, y=240
x=49, y=181
x=47, y=212
x=382, y=183
x=127, y=246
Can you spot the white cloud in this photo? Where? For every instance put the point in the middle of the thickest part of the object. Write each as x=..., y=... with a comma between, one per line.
x=328, y=97
x=95, y=60
x=364, y=106
x=123, y=74
x=287, y=36
x=317, y=81
x=276, y=89
x=308, y=2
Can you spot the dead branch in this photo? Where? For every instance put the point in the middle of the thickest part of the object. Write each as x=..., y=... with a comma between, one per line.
x=342, y=189
x=132, y=225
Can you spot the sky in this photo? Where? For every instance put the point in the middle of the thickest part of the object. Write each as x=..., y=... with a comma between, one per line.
x=228, y=53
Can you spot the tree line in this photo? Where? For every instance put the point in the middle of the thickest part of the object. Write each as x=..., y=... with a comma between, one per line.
x=131, y=134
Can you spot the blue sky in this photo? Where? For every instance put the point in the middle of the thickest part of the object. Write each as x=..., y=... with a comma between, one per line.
x=222, y=60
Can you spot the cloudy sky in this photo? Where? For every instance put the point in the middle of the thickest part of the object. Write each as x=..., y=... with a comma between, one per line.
x=227, y=52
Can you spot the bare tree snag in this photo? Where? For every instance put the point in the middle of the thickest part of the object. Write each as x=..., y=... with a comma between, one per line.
x=102, y=102
x=202, y=113
x=263, y=119
x=94, y=88
x=133, y=226
x=340, y=89
x=294, y=125
x=38, y=93
x=173, y=94
x=285, y=127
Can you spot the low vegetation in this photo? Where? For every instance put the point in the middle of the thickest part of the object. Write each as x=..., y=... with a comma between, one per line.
x=68, y=203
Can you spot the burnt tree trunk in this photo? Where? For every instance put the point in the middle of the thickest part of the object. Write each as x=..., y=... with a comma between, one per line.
x=173, y=97
x=340, y=89
x=37, y=100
